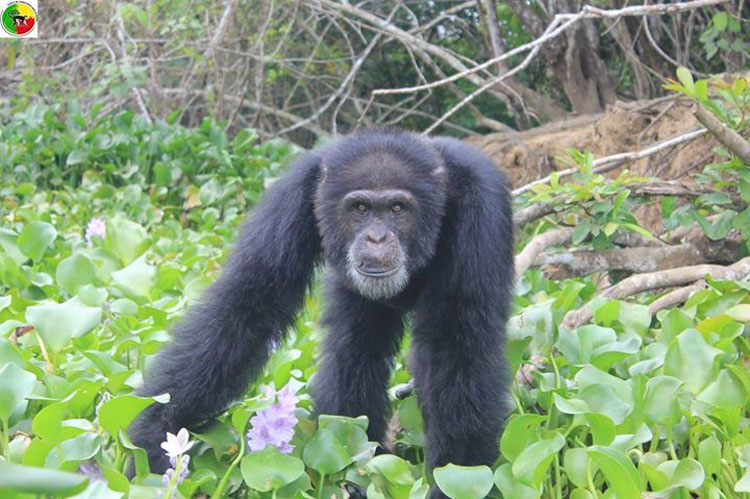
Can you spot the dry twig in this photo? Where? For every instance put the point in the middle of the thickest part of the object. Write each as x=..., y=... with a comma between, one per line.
x=728, y=137
x=538, y=244
x=608, y=163
x=659, y=280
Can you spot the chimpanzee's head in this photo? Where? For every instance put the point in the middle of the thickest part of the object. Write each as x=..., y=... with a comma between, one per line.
x=379, y=207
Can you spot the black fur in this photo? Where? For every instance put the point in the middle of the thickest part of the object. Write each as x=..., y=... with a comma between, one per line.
x=460, y=267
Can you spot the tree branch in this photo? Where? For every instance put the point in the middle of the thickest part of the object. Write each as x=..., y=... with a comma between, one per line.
x=728, y=137
x=538, y=244
x=608, y=163
x=658, y=280
x=583, y=262
x=675, y=297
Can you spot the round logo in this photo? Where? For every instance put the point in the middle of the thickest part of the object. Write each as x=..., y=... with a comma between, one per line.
x=18, y=18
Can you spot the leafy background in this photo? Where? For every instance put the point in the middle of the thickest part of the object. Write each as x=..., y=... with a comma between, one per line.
x=121, y=113
x=630, y=402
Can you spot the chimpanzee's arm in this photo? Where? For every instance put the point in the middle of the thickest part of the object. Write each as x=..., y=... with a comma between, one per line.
x=458, y=331
x=225, y=340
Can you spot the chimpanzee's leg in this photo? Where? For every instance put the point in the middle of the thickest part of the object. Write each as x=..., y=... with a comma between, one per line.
x=352, y=380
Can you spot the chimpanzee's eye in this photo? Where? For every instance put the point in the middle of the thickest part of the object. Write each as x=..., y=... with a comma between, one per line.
x=361, y=207
x=397, y=207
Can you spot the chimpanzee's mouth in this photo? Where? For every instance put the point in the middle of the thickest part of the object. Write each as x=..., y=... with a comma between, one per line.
x=377, y=273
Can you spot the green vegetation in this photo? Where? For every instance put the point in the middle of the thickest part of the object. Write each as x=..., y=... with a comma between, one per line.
x=632, y=401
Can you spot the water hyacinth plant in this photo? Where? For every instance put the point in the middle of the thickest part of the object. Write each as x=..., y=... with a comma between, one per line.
x=95, y=227
x=275, y=424
x=176, y=447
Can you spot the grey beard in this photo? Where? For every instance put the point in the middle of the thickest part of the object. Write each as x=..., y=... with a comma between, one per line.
x=377, y=288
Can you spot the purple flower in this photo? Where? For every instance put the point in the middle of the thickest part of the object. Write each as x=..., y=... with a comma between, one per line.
x=167, y=477
x=275, y=424
x=96, y=228
x=90, y=469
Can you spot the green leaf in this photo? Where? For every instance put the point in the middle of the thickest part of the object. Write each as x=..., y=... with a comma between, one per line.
x=743, y=484
x=726, y=391
x=126, y=239
x=576, y=463
x=58, y=323
x=117, y=413
x=701, y=90
x=391, y=475
x=10, y=353
x=325, y=454
x=43, y=481
x=618, y=470
x=79, y=448
x=124, y=306
x=98, y=490
x=9, y=243
x=570, y=406
x=137, y=279
x=15, y=385
x=35, y=239
x=162, y=174
x=392, y=468
x=510, y=486
x=686, y=473
x=579, y=346
x=683, y=74
x=720, y=21
x=660, y=404
x=209, y=192
x=709, y=453
x=464, y=482
x=603, y=398
x=691, y=359
x=351, y=432
x=47, y=423
x=532, y=463
x=74, y=272
x=519, y=432
x=740, y=312
x=673, y=323
x=269, y=469
x=602, y=428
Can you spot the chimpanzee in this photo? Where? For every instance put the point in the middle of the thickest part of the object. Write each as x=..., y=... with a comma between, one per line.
x=411, y=228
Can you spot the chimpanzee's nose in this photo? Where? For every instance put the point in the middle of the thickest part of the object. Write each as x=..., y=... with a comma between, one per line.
x=376, y=235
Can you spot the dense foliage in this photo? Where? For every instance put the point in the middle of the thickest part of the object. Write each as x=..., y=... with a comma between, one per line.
x=111, y=226
x=304, y=69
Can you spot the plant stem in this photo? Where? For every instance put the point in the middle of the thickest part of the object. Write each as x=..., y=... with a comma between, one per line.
x=672, y=452
x=45, y=354
x=225, y=479
x=654, y=440
x=320, y=485
x=173, y=481
x=590, y=479
x=6, y=439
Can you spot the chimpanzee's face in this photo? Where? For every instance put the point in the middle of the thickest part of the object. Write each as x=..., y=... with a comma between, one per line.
x=376, y=222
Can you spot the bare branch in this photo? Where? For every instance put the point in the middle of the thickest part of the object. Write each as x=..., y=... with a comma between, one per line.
x=583, y=262
x=345, y=83
x=728, y=137
x=658, y=280
x=535, y=212
x=538, y=244
x=587, y=12
x=675, y=297
x=608, y=163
